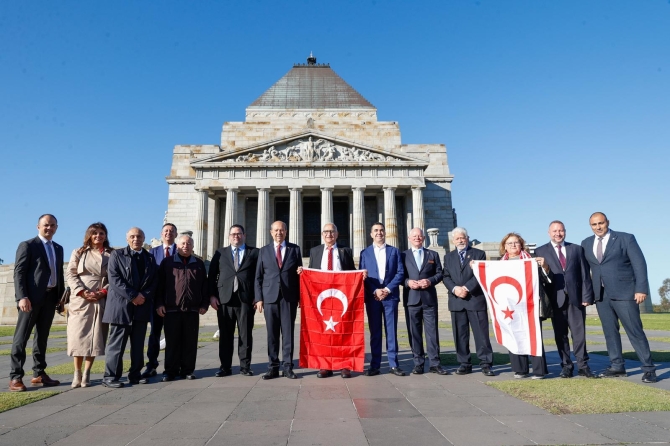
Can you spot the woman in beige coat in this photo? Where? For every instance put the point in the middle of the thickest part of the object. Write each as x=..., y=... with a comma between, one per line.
x=87, y=278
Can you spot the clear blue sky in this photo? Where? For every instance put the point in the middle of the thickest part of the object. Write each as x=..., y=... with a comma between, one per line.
x=549, y=110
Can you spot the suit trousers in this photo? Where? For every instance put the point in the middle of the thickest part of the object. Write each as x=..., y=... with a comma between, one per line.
x=40, y=318
x=153, y=345
x=280, y=318
x=181, y=342
x=387, y=311
x=628, y=312
x=572, y=317
x=461, y=322
x=424, y=317
x=520, y=362
x=116, y=346
x=409, y=324
x=242, y=315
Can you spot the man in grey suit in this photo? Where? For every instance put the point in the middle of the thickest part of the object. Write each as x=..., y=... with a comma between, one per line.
x=571, y=292
x=619, y=278
x=277, y=291
x=423, y=270
x=38, y=284
x=467, y=304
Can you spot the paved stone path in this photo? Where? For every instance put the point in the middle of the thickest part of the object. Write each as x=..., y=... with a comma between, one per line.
x=389, y=410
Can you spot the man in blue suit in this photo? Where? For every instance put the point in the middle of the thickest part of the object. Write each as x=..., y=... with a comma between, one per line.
x=571, y=292
x=166, y=249
x=423, y=270
x=385, y=275
x=619, y=278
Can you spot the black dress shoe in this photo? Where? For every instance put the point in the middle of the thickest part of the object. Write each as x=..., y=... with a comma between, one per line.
x=566, y=372
x=486, y=370
x=224, y=372
x=371, y=372
x=112, y=384
x=649, y=377
x=346, y=373
x=324, y=373
x=149, y=372
x=439, y=370
x=190, y=376
x=135, y=382
x=586, y=373
x=246, y=372
x=464, y=370
x=288, y=373
x=417, y=370
x=397, y=371
x=168, y=378
x=271, y=374
x=609, y=373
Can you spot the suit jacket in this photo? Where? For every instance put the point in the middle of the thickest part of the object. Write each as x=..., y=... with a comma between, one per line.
x=125, y=285
x=574, y=281
x=222, y=275
x=159, y=252
x=271, y=280
x=431, y=269
x=32, y=271
x=393, y=276
x=456, y=274
x=623, y=271
x=346, y=258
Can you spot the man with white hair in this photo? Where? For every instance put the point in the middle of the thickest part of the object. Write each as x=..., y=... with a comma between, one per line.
x=467, y=304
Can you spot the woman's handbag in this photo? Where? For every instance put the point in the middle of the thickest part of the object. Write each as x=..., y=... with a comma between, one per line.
x=64, y=300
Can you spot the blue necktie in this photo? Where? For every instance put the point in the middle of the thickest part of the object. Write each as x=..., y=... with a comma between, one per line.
x=418, y=257
x=461, y=254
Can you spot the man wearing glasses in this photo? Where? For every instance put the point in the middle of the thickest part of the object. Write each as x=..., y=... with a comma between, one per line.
x=231, y=287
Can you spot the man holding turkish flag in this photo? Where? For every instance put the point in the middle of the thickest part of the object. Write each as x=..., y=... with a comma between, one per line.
x=332, y=328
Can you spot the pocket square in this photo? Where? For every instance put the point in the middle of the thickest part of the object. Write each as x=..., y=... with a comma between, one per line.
x=431, y=261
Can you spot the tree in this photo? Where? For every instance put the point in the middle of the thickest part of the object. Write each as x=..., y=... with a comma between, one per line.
x=664, y=292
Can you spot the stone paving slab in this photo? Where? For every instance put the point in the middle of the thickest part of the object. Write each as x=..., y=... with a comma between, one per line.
x=550, y=429
x=329, y=431
x=487, y=431
x=622, y=428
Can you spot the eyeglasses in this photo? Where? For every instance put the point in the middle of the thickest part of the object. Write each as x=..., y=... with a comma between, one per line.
x=329, y=232
x=512, y=243
x=236, y=234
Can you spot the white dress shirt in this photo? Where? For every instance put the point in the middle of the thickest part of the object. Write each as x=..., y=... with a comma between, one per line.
x=380, y=256
x=51, y=256
x=283, y=250
x=606, y=238
x=240, y=254
x=337, y=265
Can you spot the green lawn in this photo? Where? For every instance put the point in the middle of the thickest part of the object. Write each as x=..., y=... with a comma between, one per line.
x=650, y=321
x=8, y=330
x=29, y=351
x=68, y=367
x=450, y=359
x=586, y=396
x=12, y=400
x=659, y=338
x=656, y=356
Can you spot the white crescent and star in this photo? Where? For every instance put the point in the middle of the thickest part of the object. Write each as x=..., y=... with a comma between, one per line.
x=336, y=294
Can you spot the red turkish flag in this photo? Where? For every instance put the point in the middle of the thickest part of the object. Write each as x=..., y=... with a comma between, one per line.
x=332, y=328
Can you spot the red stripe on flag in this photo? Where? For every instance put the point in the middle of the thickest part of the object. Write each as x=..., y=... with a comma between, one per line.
x=496, y=325
x=530, y=307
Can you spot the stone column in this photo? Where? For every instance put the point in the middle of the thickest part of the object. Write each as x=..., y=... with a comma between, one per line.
x=231, y=211
x=213, y=233
x=358, y=242
x=417, y=208
x=326, y=206
x=295, y=217
x=200, y=232
x=263, y=217
x=432, y=236
x=391, y=221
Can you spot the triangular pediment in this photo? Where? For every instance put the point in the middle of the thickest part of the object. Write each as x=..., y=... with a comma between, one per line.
x=308, y=147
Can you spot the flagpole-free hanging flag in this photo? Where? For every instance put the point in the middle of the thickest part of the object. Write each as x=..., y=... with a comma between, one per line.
x=512, y=295
x=332, y=328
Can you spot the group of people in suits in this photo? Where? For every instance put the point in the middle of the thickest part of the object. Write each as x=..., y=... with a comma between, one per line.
x=169, y=288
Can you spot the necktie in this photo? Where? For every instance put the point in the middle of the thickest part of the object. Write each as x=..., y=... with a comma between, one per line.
x=279, y=262
x=330, y=258
x=167, y=251
x=599, y=250
x=52, y=264
x=236, y=261
x=561, y=257
x=418, y=257
x=461, y=254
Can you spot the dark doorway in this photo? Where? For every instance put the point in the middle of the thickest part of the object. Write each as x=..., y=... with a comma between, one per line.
x=282, y=209
x=341, y=217
x=311, y=224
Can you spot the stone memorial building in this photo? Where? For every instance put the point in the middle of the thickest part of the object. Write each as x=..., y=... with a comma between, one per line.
x=310, y=151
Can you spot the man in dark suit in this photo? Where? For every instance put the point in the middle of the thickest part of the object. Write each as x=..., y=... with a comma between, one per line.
x=467, y=304
x=571, y=292
x=385, y=274
x=231, y=287
x=620, y=284
x=167, y=249
x=277, y=290
x=132, y=282
x=330, y=257
x=38, y=285
x=423, y=270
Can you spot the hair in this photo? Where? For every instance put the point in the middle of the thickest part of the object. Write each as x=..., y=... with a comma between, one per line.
x=279, y=221
x=181, y=236
x=331, y=224
x=46, y=215
x=502, y=249
x=592, y=215
x=169, y=224
x=240, y=227
x=459, y=230
x=557, y=222
x=415, y=229
x=88, y=237
x=139, y=229
x=377, y=223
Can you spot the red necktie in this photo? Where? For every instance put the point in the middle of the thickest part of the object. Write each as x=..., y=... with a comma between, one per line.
x=167, y=251
x=330, y=258
x=279, y=255
x=561, y=257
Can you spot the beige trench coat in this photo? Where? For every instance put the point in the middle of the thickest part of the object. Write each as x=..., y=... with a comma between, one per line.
x=86, y=334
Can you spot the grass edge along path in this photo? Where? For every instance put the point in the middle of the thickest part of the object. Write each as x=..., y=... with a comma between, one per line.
x=586, y=396
x=650, y=321
x=656, y=355
x=12, y=400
